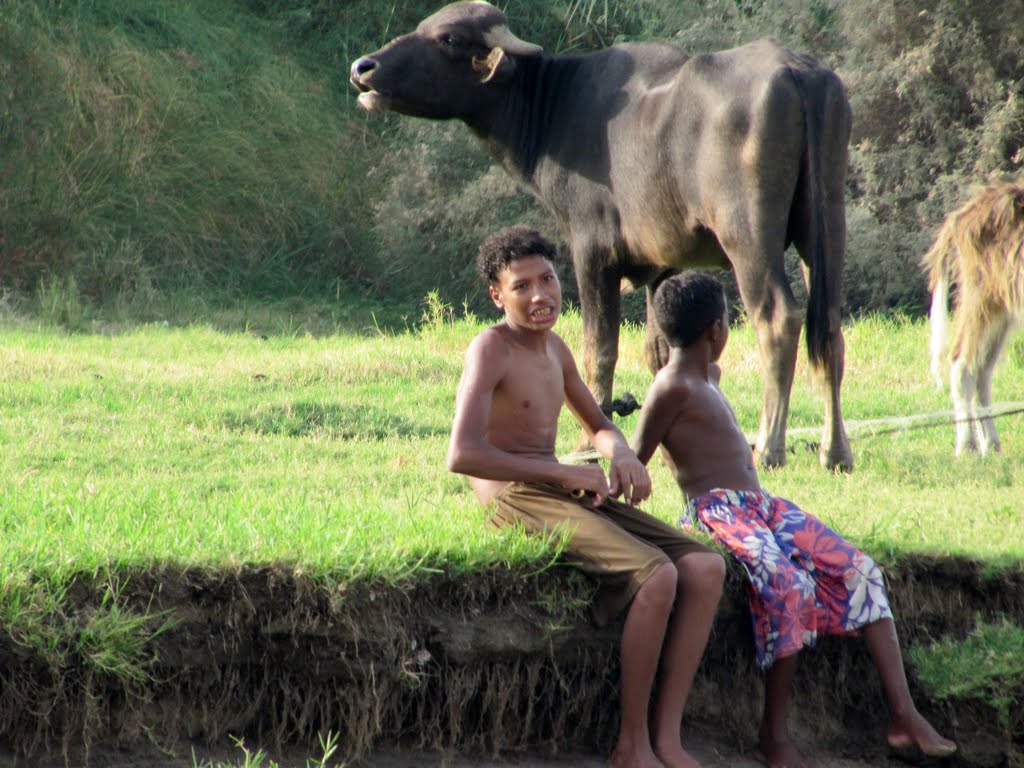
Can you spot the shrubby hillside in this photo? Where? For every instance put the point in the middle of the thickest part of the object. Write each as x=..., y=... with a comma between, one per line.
x=154, y=147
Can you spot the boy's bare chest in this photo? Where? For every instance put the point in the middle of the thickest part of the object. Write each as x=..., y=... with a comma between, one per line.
x=533, y=388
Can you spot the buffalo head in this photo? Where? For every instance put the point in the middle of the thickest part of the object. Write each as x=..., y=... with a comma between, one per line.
x=445, y=67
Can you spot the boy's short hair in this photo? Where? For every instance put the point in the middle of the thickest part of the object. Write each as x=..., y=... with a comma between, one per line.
x=506, y=245
x=686, y=304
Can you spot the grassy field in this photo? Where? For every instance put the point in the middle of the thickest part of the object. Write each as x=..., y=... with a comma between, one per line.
x=208, y=447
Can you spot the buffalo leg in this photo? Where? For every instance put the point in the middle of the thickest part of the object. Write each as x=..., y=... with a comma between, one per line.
x=834, y=451
x=655, y=344
x=600, y=306
x=776, y=317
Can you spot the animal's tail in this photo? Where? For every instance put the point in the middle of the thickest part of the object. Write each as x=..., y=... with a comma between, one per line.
x=939, y=263
x=939, y=320
x=824, y=259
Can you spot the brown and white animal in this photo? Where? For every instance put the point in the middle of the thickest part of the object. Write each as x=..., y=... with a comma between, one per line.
x=653, y=160
x=980, y=251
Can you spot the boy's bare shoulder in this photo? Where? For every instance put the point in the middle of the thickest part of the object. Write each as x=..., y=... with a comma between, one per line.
x=670, y=384
x=488, y=343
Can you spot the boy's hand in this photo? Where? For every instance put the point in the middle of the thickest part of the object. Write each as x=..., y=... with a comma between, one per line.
x=628, y=477
x=588, y=481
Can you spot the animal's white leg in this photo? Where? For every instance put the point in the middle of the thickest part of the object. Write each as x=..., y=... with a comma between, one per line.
x=961, y=387
x=990, y=352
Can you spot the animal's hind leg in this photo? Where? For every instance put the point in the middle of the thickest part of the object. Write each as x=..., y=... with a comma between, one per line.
x=776, y=317
x=962, y=389
x=834, y=452
x=655, y=345
x=601, y=309
x=819, y=228
x=989, y=354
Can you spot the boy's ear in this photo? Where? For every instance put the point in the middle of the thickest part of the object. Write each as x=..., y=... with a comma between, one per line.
x=495, y=296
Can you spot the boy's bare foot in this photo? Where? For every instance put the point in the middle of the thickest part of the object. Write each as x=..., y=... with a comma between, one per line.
x=624, y=758
x=677, y=757
x=914, y=731
x=776, y=753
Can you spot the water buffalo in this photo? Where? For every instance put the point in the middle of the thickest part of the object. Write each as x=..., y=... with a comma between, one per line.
x=653, y=160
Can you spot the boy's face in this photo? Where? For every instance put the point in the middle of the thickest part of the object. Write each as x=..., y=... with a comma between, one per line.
x=529, y=294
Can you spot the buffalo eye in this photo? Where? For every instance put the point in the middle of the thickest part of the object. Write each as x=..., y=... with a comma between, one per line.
x=450, y=41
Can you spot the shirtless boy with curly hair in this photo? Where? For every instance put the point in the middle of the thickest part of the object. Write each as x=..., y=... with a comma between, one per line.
x=517, y=375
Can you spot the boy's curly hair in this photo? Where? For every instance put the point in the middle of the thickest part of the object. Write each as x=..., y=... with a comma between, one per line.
x=686, y=304
x=506, y=245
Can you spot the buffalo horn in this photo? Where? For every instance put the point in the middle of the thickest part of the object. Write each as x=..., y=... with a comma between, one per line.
x=500, y=37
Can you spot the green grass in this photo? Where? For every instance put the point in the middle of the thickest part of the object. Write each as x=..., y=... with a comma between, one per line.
x=217, y=449
x=258, y=758
x=985, y=666
x=154, y=146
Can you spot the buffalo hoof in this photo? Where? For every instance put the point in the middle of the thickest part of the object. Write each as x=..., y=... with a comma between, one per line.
x=837, y=461
x=770, y=459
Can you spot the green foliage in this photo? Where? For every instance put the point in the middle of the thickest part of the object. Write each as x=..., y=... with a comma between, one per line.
x=171, y=145
x=985, y=666
x=936, y=90
x=59, y=303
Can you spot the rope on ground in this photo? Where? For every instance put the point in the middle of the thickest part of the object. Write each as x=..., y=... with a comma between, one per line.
x=858, y=429
x=893, y=424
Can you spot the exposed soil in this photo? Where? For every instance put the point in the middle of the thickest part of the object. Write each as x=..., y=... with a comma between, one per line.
x=455, y=672
x=711, y=751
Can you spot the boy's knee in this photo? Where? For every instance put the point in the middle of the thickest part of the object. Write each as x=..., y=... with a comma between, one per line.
x=702, y=570
x=659, y=590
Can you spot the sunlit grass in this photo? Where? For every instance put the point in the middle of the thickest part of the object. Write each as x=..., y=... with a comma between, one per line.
x=222, y=449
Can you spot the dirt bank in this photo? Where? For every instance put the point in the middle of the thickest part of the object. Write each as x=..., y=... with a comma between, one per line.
x=447, y=666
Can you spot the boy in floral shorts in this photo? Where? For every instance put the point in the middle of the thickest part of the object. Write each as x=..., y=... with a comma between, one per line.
x=805, y=579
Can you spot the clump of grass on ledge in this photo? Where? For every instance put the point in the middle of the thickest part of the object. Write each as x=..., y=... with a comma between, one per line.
x=106, y=639
x=984, y=667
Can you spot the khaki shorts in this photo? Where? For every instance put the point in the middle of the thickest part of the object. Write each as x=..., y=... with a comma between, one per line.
x=619, y=544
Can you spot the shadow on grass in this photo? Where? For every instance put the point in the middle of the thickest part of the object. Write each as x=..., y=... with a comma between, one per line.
x=340, y=422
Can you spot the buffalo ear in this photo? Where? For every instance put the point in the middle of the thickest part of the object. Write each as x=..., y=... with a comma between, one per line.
x=497, y=67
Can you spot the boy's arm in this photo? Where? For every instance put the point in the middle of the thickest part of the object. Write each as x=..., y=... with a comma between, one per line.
x=469, y=450
x=660, y=408
x=627, y=476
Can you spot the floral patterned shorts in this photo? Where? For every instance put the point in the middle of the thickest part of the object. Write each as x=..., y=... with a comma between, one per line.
x=805, y=578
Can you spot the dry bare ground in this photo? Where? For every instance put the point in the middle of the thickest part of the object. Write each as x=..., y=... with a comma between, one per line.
x=711, y=751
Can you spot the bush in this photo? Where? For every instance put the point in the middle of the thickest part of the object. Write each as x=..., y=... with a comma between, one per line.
x=936, y=91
